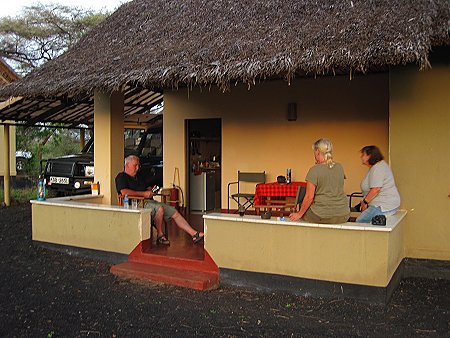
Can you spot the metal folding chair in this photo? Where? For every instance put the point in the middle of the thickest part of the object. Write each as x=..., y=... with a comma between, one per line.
x=301, y=191
x=356, y=194
x=246, y=197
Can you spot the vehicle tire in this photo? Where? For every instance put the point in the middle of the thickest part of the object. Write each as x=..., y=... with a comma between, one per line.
x=21, y=163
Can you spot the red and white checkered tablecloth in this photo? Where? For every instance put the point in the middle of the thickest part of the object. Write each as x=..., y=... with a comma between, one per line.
x=264, y=190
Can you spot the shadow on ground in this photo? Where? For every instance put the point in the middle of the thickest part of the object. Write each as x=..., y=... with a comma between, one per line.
x=46, y=293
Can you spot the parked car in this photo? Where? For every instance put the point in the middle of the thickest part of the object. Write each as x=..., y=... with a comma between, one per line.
x=74, y=174
x=22, y=158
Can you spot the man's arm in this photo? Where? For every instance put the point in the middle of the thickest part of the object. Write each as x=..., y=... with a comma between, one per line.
x=130, y=192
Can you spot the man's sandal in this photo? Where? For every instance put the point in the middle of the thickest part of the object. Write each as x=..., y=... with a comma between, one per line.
x=197, y=238
x=162, y=240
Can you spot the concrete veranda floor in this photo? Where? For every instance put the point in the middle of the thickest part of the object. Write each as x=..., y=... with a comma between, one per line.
x=45, y=293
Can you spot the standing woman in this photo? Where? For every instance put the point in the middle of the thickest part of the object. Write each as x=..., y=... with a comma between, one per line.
x=325, y=200
x=381, y=196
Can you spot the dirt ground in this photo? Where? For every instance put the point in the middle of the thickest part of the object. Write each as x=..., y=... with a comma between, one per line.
x=45, y=293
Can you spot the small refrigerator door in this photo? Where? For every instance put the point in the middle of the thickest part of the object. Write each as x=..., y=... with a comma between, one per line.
x=202, y=192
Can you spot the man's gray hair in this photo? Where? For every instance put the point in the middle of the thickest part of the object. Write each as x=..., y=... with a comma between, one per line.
x=130, y=158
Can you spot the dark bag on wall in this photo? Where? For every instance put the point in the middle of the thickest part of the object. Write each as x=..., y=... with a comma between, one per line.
x=379, y=220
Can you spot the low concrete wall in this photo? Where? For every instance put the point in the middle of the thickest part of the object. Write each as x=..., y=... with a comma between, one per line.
x=352, y=253
x=82, y=221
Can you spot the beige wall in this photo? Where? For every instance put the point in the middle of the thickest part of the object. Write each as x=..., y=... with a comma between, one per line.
x=315, y=252
x=12, y=151
x=420, y=148
x=85, y=225
x=256, y=135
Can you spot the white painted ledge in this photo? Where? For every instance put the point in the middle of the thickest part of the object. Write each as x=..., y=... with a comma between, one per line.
x=391, y=222
x=74, y=202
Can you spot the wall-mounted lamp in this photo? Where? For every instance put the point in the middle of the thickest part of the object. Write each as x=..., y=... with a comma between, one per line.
x=292, y=111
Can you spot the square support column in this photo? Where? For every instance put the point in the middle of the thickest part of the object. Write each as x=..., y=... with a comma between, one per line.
x=6, y=164
x=108, y=141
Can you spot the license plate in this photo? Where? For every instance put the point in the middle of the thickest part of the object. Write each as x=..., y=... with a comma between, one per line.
x=59, y=180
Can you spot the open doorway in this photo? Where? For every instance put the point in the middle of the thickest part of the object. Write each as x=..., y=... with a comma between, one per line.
x=204, y=146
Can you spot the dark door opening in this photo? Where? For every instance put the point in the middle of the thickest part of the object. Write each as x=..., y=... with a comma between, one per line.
x=204, y=147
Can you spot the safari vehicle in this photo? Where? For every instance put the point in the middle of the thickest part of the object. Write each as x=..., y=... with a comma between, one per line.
x=74, y=174
x=22, y=158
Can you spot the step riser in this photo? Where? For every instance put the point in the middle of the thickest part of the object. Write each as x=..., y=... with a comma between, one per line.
x=206, y=284
x=180, y=263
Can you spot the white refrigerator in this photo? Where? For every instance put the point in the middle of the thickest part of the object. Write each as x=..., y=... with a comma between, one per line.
x=202, y=191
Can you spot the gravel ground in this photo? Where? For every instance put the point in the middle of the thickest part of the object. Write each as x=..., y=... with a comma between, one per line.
x=46, y=293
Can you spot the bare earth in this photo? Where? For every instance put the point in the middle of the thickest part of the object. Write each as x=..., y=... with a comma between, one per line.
x=45, y=293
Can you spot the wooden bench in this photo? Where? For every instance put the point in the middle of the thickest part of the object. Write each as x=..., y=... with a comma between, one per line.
x=280, y=206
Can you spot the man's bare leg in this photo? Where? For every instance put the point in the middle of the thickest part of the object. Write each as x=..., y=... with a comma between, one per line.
x=183, y=224
x=160, y=238
x=159, y=221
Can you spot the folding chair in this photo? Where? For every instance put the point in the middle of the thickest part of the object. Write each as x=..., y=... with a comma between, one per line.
x=292, y=203
x=357, y=194
x=300, y=195
x=247, y=197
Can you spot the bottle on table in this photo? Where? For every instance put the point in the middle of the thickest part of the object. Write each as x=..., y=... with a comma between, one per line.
x=288, y=175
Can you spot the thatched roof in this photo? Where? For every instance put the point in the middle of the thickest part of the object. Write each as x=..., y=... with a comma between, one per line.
x=7, y=75
x=170, y=43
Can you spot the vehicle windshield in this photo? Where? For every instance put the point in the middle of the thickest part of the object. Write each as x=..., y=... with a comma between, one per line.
x=132, y=139
x=152, y=145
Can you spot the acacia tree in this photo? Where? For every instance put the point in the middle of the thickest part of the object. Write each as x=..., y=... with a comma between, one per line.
x=43, y=32
x=39, y=34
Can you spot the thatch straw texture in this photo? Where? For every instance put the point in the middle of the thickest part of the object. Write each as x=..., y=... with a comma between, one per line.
x=170, y=43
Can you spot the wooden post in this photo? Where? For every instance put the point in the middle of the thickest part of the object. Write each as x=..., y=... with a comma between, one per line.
x=82, y=143
x=6, y=165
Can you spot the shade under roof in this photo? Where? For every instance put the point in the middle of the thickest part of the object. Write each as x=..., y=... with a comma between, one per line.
x=70, y=112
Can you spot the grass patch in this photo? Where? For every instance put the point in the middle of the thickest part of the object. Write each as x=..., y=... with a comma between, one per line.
x=21, y=195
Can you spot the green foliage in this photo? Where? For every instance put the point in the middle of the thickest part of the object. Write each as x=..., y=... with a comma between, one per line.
x=22, y=195
x=44, y=143
x=43, y=32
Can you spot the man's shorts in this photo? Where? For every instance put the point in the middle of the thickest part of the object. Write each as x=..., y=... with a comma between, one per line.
x=155, y=205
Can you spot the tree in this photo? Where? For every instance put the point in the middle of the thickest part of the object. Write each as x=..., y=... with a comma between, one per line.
x=39, y=34
x=43, y=32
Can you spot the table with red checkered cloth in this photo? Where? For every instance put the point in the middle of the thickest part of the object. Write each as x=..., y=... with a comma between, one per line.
x=264, y=190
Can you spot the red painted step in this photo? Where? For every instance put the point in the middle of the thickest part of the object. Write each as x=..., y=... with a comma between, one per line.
x=167, y=274
x=186, y=272
x=141, y=254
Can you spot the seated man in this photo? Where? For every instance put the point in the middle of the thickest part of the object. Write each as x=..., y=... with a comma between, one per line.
x=131, y=183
